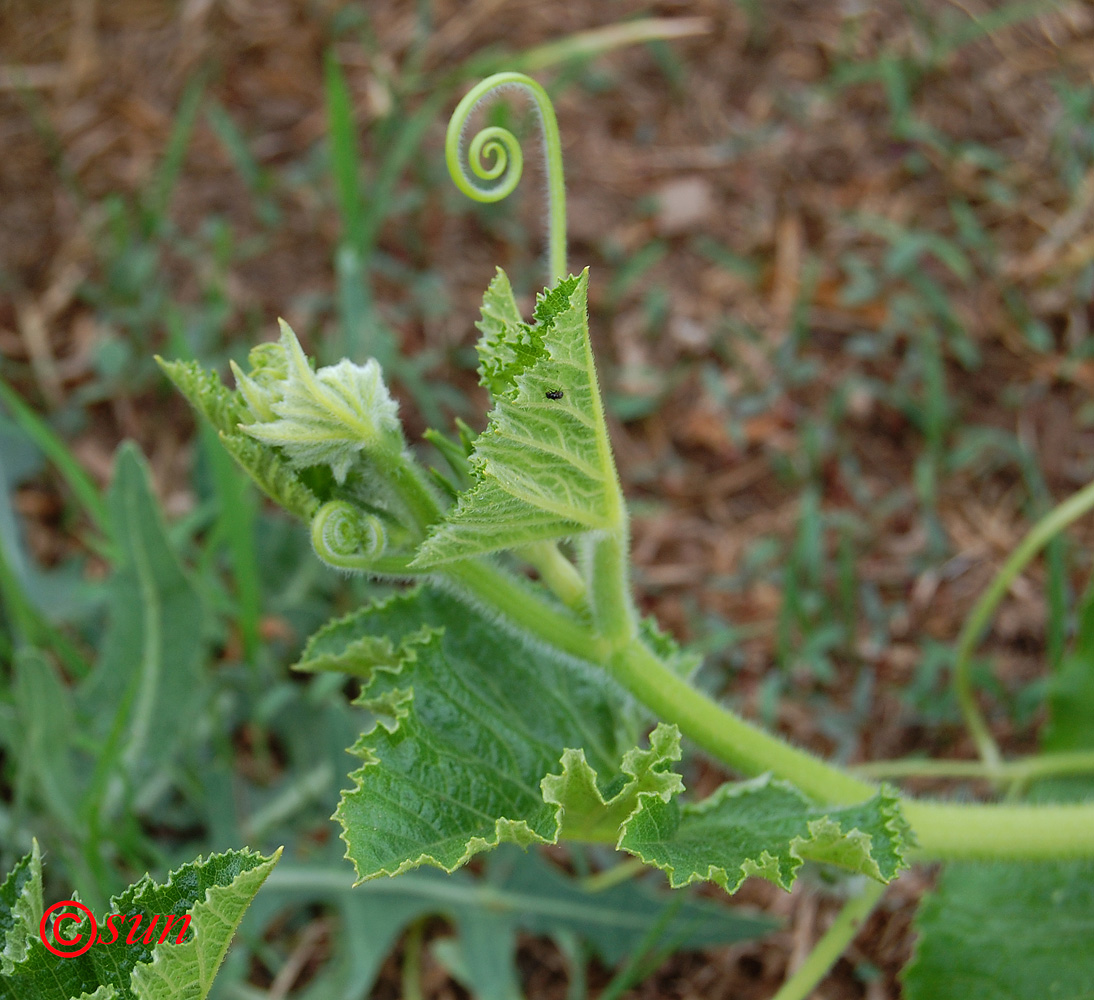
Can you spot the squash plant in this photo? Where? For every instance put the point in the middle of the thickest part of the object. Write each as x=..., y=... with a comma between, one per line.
x=517, y=695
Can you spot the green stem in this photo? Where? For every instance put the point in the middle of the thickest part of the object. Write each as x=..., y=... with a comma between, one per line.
x=1041, y=534
x=734, y=741
x=1077, y=762
x=943, y=830
x=557, y=572
x=996, y=832
x=829, y=948
x=499, y=591
x=616, y=875
x=613, y=612
x=412, y=961
x=503, y=148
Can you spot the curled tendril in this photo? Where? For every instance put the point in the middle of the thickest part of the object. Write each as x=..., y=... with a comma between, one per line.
x=347, y=538
x=494, y=154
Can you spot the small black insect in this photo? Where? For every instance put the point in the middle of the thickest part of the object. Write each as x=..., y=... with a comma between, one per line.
x=554, y=393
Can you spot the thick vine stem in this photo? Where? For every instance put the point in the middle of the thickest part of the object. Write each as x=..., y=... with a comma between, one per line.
x=943, y=830
x=503, y=149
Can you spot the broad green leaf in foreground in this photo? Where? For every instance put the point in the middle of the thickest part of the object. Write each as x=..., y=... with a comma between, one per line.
x=1006, y=931
x=766, y=827
x=471, y=723
x=214, y=892
x=544, y=465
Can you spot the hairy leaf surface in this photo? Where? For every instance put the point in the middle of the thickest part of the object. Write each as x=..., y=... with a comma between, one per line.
x=765, y=827
x=1006, y=931
x=214, y=892
x=471, y=724
x=226, y=411
x=544, y=466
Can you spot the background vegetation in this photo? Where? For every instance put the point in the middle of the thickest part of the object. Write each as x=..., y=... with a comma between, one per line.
x=842, y=273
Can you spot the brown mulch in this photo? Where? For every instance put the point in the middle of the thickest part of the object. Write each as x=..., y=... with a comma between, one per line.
x=738, y=139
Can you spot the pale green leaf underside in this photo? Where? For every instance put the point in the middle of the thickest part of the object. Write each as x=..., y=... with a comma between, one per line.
x=766, y=827
x=475, y=719
x=1006, y=931
x=214, y=892
x=330, y=415
x=544, y=465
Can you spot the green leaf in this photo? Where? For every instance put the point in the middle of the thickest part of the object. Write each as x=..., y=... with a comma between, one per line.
x=470, y=725
x=345, y=645
x=586, y=814
x=544, y=465
x=329, y=416
x=214, y=894
x=227, y=411
x=507, y=346
x=148, y=683
x=519, y=892
x=1006, y=931
x=45, y=727
x=21, y=910
x=766, y=827
x=272, y=474
x=207, y=394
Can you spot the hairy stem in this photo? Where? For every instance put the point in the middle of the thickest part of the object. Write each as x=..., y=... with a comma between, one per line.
x=942, y=829
x=1039, y=536
x=557, y=572
x=498, y=591
x=613, y=612
x=1052, y=765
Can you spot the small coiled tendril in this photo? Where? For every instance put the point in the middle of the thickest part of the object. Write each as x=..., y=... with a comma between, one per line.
x=502, y=148
x=346, y=537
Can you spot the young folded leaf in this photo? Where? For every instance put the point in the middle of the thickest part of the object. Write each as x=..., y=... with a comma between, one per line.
x=326, y=416
x=544, y=467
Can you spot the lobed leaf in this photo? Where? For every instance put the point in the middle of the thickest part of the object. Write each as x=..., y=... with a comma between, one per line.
x=214, y=892
x=472, y=721
x=766, y=827
x=543, y=466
